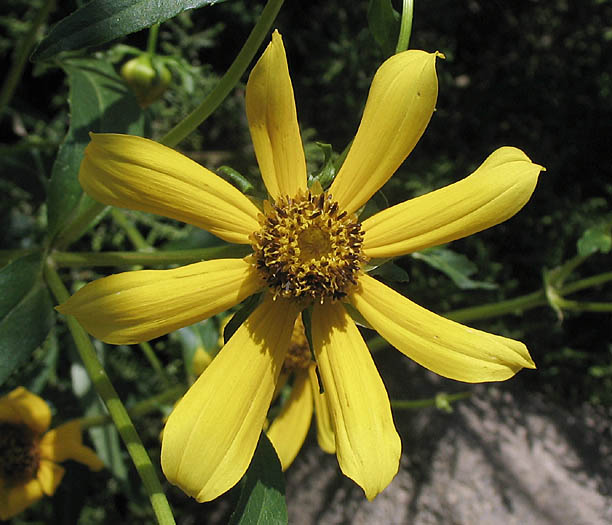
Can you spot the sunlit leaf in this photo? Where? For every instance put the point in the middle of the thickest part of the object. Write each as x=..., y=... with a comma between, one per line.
x=262, y=498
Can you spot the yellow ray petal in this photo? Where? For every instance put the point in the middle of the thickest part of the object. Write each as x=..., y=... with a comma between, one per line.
x=16, y=498
x=49, y=476
x=137, y=306
x=22, y=407
x=210, y=436
x=140, y=174
x=325, y=431
x=447, y=348
x=289, y=429
x=66, y=442
x=498, y=189
x=401, y=101
x=367, y=444
x=270, y=108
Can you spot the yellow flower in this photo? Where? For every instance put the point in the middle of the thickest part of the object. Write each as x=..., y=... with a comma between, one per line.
x=29, y=454
x=309, y=249
x=290, y=427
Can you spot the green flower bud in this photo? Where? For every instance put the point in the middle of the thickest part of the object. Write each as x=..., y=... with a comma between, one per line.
x=147, y=77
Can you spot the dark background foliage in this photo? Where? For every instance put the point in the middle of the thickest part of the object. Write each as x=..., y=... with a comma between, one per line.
x=528, y=73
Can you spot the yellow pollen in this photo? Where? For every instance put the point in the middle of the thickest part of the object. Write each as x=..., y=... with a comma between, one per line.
x=307, y=249
x=19, y=457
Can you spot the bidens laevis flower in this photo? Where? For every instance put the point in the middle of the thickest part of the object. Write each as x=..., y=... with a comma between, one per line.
x=308, y=249
x=29, y=453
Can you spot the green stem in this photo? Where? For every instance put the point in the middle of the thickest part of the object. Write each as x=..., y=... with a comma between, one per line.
x=486, y=311
x=228, y=80
x=154, y=362
x=405, y=26
x=587, y=282
x=22, y=52
x=152, y=40
x=159, y=258
x=115, y=407
x=131, y=231
x=139, y=409
x=434, y=401
x=80, y=224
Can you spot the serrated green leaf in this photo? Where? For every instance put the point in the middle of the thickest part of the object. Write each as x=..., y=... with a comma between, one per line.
x=26, y=312
x=99, y=102
x=454, y=265
x=595, y=239
x=101, y=21
x=384, y=24
x=262, y=498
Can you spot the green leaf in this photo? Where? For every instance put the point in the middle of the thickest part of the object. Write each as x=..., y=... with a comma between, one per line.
x=391, y=272
x=26, y=312
x=99, y=102
x=384, y=24
x=455, y=266
x=101, y=21
x=246, y=308
x=595, y=239
x=262, y=499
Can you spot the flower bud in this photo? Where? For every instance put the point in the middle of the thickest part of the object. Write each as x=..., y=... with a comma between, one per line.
x=147, y=77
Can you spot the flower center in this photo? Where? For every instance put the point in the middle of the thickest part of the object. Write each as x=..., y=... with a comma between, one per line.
x=305, y=249
x=19, y=456
x=298, y=356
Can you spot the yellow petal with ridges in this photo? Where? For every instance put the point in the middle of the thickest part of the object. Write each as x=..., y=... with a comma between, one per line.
x=49, y=476
x=66, y=442
x=325, y=431
x=289, y=429
x=132, y=307
x=367, y=444
x=211, y=435
x=445, y=347
x=400, y=104
x=497, y=190
x=140, y=174
x=16, y=498
x=270, y=108
x=20, y=406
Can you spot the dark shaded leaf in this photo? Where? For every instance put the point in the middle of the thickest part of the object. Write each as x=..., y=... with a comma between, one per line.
x=26, y=312
x=99, y=102
x=101, y=21
x=454, y=265
x=384, y=24
x=247, y=307
x=262, y=499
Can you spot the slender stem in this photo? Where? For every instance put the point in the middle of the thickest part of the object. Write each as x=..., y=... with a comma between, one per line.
x=80, y=224
x=139, y=409
x=486, y=311
x=405, y=26
x=115, y=407
x=228, y=80
x=154, y=362
x=131, y=231
x=588, y=282
x=21, y=56
x=434, y=401
x=159, y=258
x=152, y=40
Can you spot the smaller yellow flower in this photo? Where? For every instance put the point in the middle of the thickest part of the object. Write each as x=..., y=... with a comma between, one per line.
x=289, y=429
x=29, y=454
